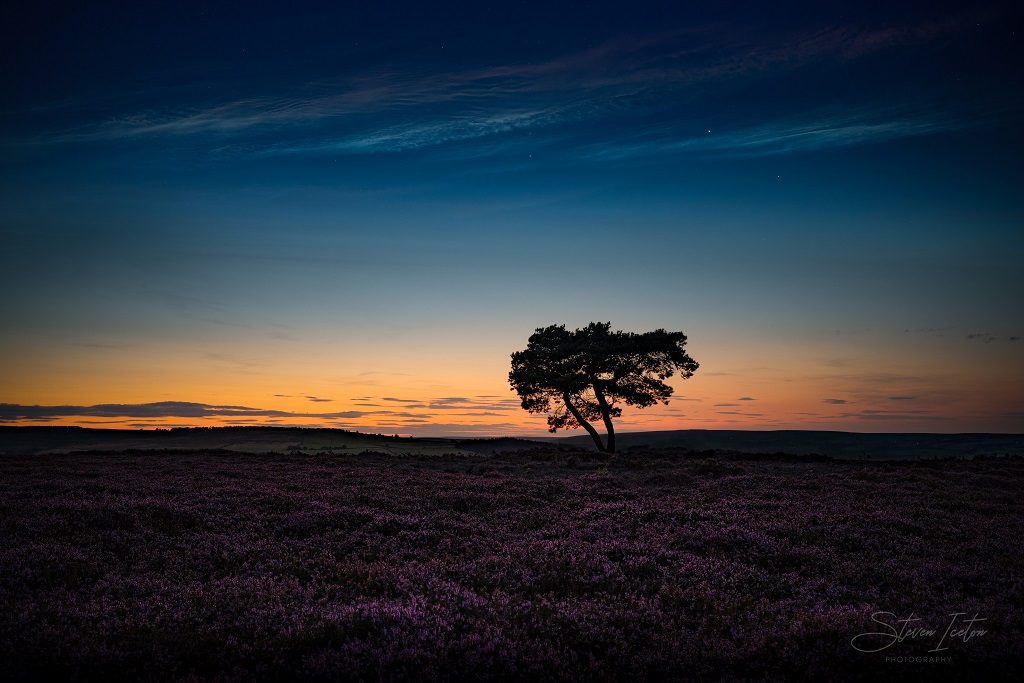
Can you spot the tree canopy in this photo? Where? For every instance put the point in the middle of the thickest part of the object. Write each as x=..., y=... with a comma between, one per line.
x=589, y=374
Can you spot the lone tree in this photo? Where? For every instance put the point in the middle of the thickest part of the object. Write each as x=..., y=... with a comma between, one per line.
x=582, y=376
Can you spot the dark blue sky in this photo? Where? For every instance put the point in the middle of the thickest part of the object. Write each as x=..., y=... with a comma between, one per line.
x=282, y=199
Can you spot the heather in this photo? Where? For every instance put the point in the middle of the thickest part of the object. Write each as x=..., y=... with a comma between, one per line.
x=544, y=564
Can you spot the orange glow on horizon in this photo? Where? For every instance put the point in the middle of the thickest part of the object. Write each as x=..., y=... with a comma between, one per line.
x=384, y=387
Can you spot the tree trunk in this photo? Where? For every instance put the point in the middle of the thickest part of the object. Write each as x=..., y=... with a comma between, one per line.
x=583, y=423
x=607, y=416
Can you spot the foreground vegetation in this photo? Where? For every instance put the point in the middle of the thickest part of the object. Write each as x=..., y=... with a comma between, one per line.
x=551, y=564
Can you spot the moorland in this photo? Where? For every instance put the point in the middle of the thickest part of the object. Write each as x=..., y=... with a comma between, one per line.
x=511, y=561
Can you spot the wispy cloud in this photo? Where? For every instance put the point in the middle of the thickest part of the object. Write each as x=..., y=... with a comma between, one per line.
x=10, y=412
x=988, y=337
x=784, y=138
x=413, y=136
x=885, y=415
x=396, y=109
x=419, y=409
x=780, y=137
x=478, y=403
x=460, y=403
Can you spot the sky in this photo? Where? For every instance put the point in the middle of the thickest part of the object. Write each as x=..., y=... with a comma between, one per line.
x=351, y=214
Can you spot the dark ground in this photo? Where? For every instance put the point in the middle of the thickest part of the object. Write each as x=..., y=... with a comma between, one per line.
x=844, y=445
x=549, y=563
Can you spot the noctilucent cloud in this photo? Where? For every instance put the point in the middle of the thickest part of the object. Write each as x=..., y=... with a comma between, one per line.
x=350, y=214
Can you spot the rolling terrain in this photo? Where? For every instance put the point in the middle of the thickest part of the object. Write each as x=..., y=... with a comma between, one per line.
x=841, y=445
x=26, y=440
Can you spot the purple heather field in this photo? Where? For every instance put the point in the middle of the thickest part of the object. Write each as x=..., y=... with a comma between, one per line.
x=546, y=564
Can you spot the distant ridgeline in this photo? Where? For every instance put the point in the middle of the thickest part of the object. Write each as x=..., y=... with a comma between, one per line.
x=843, y=445
x=238, y=438
x=257, y=439
x=244, y=439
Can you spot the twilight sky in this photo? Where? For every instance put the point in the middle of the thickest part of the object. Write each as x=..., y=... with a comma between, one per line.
x=350, y=214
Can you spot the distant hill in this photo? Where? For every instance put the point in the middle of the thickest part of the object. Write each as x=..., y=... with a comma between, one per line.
x=847, y=445
x=27, y=440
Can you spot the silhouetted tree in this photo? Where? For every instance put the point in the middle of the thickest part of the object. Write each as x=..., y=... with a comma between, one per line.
x=582, y=376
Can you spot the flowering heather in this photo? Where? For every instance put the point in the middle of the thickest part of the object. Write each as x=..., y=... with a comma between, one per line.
x=540, y=565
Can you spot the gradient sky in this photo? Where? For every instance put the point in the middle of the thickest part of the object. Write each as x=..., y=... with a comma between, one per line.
x=350, y=214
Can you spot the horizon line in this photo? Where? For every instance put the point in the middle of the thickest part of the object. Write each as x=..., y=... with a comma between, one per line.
x=455, y=437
